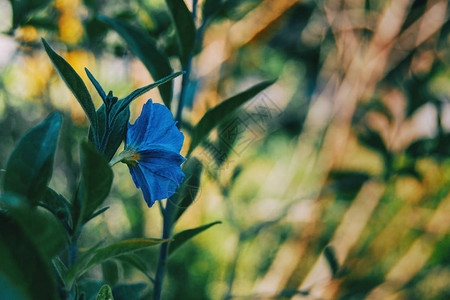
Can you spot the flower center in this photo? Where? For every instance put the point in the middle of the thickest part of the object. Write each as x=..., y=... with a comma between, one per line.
x=128, y=156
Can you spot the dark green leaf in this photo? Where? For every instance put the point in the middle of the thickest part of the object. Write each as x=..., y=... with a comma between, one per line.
x=22, y=9
x=97, y=85
x=30, y=166
x=58, y=205
x=96, y=180
x=128, y=291
x=372, y=139
x=210, y=7
x=105, y=293
x=182, y=237
x=110, y=272
x=118, y=131
x=222, y=112
x=124, y=103
x=144, y=47
x=347, y=183
x=332, y=261
x=184, y=27
x=186, y=193
x=24, y=273
x=74, y=83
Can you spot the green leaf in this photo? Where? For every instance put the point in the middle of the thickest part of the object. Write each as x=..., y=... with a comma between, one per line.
x=144, y=47
x=332, y=261
x=30, y=165
x=96, y=180
x=222, y=112
x=76, y=270
x=96, y=256
x=24, y=272
x=182, y=237
x=105, y=293
x=74, y=83
x=128, y=291
x=60, y=268
x=22, y=9
x=184, y=27
x=118, y=131
x=186, y=193
x=124, y=103
x=58, y=206
x=95, y=83
x=135, y=261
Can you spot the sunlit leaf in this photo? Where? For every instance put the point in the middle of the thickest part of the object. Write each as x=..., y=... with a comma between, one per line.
x=222, y=112
x=182, y=237
x=105, y=293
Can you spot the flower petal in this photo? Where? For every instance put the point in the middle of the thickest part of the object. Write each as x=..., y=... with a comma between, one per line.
x=155, y=126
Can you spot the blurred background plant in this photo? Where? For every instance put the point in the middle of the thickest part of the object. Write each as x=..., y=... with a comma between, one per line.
x=331, y=184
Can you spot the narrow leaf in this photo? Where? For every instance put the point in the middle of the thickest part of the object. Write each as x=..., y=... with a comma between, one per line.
x=128, y=99
x=74, y=83
x=221, y=112
x=184, y=27
x=135, y=261
x=30, y=165
x=182, y=237
x=332, y=261
x=120, y=248
x=105, y=293
x=97, y=85
x=144, y=47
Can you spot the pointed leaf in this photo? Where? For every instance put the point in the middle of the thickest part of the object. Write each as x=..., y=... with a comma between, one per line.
x=332, y=261
x=96, y=180
x=124, y=247
x=118, y=129
x=135, y=261
x=74, y=83
x=30, y=166
x=189, y=188
x=182, y=237
x=222, y=112
x=105, y=293
x=184, y=27
x=144, y=47
x=123, y=104
x=97, y=85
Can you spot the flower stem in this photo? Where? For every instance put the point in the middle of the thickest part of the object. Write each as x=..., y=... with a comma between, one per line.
x=168, y=211
x=161, y=268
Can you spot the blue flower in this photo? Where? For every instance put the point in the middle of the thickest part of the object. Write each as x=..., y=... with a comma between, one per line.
x=153, y=146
